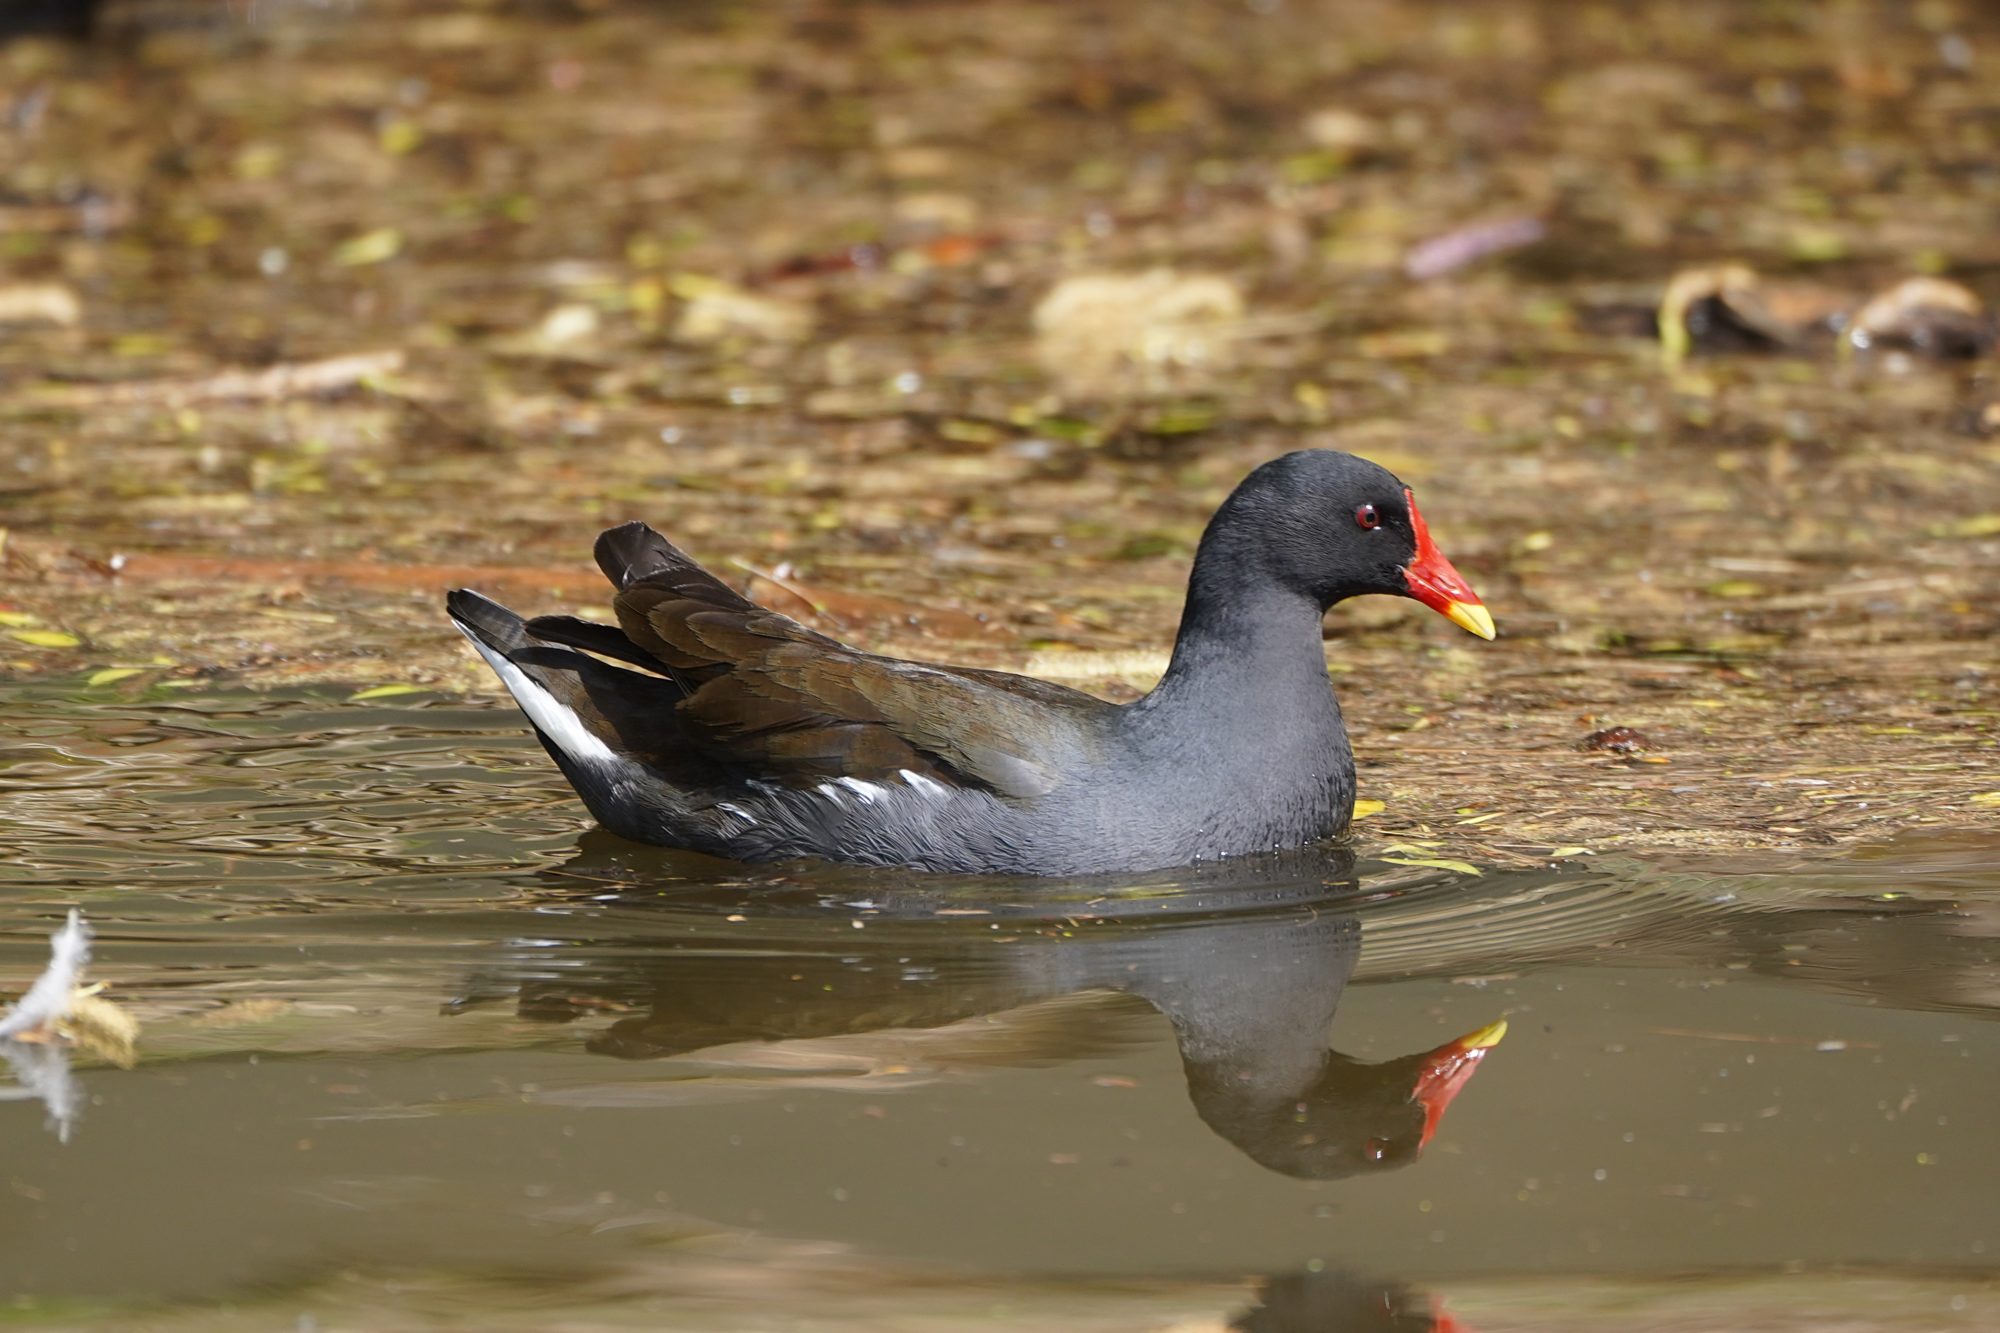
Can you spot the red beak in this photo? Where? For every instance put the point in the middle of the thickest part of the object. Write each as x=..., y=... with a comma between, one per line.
x=1448, y=1069
x=1437, y=585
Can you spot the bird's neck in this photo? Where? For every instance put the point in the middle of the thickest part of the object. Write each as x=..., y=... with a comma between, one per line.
x=1245, y=642
x=1245, y=721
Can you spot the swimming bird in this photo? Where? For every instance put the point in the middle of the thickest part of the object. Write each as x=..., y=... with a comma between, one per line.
x=705, y=721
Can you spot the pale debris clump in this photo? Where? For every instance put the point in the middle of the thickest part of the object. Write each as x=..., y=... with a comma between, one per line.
x=40, y=303
x=713, y=311
x=60, y=1008
x=1091, y=323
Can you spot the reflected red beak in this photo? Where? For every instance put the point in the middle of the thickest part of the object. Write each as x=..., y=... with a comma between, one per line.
x=1448, y=1069
x=1437, y=585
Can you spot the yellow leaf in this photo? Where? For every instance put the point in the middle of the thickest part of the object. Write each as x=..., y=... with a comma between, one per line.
x=400, y=136
x=47, y=638
x=1563, y=853
x=17, y=618
x=1985, y=525
x=370, y=247
x=385, y=692
x=110, y=674
x=1457, y=867
x=1987, y=798
x=1363, y=809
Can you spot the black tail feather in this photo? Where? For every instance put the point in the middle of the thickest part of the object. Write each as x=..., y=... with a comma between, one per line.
x=591, y=637
x=487, y=620
x=613, y=732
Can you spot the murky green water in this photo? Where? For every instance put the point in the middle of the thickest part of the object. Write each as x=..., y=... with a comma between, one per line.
x=421, y=1051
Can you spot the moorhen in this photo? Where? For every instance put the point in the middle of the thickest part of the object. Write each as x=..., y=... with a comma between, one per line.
x=744, y=734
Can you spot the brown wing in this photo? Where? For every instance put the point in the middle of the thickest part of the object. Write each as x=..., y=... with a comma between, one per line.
x=788, y=704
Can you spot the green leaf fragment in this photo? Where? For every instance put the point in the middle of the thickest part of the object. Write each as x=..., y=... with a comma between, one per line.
x=385, y=692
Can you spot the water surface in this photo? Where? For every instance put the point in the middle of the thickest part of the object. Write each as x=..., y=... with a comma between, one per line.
x=420, y=1047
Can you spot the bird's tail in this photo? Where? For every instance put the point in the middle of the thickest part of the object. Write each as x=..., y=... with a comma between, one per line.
x=610, y=730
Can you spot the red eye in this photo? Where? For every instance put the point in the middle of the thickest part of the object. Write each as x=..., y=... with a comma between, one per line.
x=1367, y=517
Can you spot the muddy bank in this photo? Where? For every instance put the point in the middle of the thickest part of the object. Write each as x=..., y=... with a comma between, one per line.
x=950, y=332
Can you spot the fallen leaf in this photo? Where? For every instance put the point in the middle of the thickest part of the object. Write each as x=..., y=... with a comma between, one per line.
x=111, y=674
x=1363, y=809
x=1983, y=525
x=47, y=638
x=385, y=692
x=18, y=618
x=370, y=247
x=1454, y=250
x=1456, y=867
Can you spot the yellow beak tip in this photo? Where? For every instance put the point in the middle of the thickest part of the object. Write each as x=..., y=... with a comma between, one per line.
x=1486, y=1037
x=1471, y=617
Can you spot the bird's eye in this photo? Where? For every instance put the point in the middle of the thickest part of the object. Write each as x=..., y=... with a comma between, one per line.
x=1366, y=517
x=1375, y=1149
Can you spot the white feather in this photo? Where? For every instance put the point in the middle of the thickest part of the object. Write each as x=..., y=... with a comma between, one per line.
x=867, y=791
x=557, y=721
x=924, y=786
x=47, y=1001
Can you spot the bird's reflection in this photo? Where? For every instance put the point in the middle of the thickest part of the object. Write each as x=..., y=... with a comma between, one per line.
x=1332, y=1301
x=1247, y=962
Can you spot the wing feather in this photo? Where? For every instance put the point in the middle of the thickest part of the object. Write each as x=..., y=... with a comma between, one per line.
x=778, y=701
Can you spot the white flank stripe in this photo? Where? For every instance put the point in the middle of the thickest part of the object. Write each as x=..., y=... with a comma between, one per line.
x=556, y=720
x=828, y=790
x=731, y=808
x=867, y=791
x=924, y=786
